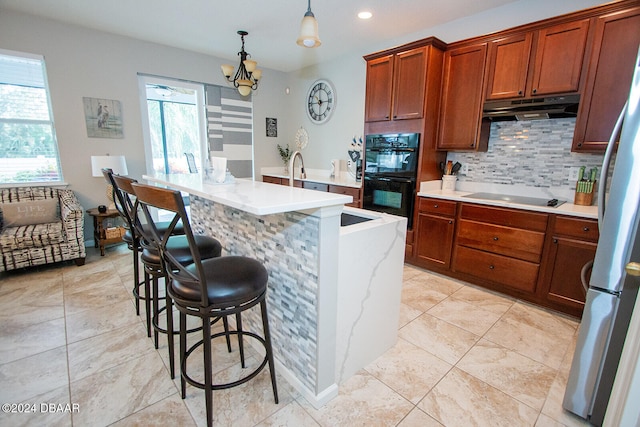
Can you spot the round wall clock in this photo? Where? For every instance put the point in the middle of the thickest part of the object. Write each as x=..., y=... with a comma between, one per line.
x=321, y=101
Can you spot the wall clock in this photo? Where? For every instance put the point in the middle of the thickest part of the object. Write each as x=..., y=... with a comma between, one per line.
x=321, y=101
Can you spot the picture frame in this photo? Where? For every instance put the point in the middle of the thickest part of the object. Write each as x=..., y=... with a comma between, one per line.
x=103, y=117
x=272, y=127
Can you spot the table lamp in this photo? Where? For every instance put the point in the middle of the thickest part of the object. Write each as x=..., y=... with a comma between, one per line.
x=117, y=164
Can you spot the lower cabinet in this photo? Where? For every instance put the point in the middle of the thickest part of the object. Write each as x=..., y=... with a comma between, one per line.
x=319, y=186
x=434, y=230
x=502, y=247
x=571, y=245
x=534, y=256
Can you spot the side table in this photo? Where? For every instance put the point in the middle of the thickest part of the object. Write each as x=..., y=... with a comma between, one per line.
x=99, y=231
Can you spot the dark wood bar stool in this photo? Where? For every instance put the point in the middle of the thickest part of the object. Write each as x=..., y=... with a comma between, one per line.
x=209, y=289
x=153, y=265
x=124, y=206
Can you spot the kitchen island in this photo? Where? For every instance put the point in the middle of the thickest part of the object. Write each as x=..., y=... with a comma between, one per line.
x=334, y=291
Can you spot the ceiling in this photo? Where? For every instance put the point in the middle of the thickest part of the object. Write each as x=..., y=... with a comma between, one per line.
x=210, y=26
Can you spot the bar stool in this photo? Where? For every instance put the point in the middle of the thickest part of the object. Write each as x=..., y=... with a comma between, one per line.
x=209, y=288
x=154, y=267
x=124, y=205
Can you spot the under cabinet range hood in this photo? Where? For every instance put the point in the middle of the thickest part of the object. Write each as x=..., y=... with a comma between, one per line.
x=531, y=109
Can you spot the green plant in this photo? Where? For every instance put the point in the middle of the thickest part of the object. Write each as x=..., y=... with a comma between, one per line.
x=285, y=153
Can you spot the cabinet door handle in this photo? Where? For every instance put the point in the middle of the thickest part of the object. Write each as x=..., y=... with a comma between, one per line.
x=535, y=90
x=395, y=117
x=519, y=92
x=435, y=206
x=495, y=238
x=472, y=144
x=555, y=240
x=585, y=229
x=450, y=222
x=491, y=267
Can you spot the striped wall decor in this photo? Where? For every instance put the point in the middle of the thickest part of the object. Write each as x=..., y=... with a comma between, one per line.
x=230, y=129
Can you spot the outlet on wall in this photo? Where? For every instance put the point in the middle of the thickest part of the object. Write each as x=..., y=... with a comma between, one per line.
x=573, y=173
x=464, y=170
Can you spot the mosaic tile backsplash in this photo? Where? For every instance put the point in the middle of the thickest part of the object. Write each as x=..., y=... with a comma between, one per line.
x=287, y=245
x=535, y=153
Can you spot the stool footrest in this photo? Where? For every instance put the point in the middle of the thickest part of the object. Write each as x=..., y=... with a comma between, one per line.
x=185, y=375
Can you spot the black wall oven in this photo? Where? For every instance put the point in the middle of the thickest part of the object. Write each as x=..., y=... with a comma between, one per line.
x=390, y=171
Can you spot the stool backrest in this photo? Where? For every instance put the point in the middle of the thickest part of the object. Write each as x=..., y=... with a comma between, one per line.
x=171, y=200
x=118, y=199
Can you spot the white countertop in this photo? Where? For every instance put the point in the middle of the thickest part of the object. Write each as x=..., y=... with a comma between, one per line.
x=433, y=189
x=258, y=198
x=315, y=175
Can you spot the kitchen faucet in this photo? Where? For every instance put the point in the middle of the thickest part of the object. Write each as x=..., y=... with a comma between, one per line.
x=303, y=175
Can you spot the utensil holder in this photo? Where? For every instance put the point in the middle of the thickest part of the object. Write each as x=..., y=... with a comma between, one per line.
x=449, y=183
x=584, y=199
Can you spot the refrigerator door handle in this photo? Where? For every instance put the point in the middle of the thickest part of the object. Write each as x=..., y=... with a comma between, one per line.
x=606, y=162
x=583, y=275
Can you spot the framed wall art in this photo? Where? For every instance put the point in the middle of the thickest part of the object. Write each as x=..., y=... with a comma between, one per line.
x=103, y=118
x=272, y=127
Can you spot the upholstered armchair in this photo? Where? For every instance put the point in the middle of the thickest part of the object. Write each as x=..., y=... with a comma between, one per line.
x=40, y=225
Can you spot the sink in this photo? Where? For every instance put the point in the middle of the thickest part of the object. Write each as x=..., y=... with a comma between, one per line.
x=533, y=201
x=348, y=219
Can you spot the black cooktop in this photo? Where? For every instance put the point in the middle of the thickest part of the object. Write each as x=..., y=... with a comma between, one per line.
x=533, y=201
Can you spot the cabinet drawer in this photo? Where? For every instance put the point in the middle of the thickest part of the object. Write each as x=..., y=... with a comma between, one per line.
x=510, y=272
x=583, y=229
x=315, y=186
x=507, y=217
x=514, y=242
x=347, y=191
x=271, y=179
x=437, y=206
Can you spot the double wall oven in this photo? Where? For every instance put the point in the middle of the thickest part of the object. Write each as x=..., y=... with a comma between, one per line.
x=390, y=173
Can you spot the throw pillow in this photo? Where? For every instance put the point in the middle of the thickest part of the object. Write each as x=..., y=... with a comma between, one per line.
x=30, y=212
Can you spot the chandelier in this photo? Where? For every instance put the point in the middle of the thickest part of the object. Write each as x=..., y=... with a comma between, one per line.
x=309, y=30
x=246, y=78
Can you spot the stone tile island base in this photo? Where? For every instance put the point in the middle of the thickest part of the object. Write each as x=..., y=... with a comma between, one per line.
x=334, y=292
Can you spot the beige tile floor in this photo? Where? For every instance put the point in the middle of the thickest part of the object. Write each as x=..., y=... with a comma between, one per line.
x=464, y=357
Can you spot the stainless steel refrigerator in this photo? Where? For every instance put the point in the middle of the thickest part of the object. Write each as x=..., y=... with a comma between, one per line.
x=613, y=286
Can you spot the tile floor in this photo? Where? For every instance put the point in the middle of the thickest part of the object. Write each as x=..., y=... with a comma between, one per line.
x=464, y=357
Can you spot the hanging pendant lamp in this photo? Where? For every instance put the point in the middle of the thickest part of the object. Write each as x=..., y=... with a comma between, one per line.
x=309, y=30
x=247, y=76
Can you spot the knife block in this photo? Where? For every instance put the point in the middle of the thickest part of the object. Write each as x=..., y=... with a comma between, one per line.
x=584, y=199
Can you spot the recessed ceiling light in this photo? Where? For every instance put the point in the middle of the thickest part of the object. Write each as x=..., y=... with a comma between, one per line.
x=365, y=14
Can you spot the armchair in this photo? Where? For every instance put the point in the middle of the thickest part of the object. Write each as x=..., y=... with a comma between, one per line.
x=40, y=225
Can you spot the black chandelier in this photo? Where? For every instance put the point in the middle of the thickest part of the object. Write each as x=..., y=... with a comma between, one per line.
x=247, y=76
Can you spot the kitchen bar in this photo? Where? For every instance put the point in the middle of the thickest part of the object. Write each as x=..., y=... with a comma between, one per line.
x=334, y=292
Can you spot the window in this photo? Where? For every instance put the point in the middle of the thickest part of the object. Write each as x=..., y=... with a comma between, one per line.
x=28, y=148
x=175, y=115
x=195, y=118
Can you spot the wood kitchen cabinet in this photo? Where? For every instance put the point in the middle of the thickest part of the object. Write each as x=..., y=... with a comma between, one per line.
x=609, y=74
x=545, y=62
x=502, y=248
x=354, y=192
x=435, y=227
x=460, y=126
x=396, y=86
x=571, y=244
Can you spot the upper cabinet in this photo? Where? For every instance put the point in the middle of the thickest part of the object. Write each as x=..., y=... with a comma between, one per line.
x=396, y=86
x=538, y=63
x=609, y=74
x=460, y=126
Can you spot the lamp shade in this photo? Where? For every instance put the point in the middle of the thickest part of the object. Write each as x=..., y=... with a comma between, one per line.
x=117, y=164
x=309, y=32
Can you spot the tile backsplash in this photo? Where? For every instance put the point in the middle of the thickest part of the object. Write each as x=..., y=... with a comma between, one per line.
x=535, y=153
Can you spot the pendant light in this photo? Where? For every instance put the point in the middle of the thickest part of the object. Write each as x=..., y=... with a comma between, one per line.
x=309, y=30
x=247, y=76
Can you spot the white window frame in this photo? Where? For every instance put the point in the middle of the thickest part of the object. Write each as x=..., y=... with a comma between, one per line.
x=50, y=122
